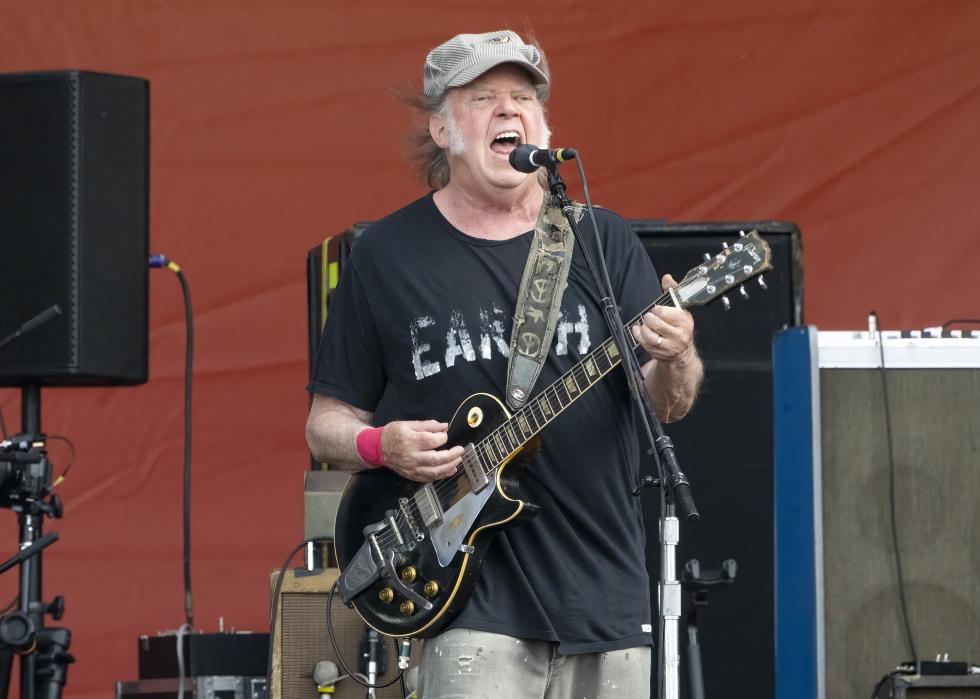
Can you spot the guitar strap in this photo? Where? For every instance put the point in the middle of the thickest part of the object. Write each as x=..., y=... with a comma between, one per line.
x=539, y=299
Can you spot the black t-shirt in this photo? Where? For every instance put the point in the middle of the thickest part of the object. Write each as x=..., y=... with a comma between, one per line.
x=420, y=320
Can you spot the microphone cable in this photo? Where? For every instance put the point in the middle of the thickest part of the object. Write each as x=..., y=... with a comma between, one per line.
x=891, y=494
x=157, y=261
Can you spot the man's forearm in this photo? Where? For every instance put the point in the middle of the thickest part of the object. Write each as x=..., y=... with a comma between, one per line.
x=331, y=431
x=673, y=386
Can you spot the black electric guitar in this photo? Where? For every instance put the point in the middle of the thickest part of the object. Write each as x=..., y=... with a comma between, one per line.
x=411, y=553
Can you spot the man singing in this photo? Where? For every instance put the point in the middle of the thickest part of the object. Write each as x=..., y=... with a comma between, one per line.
x=422, y=319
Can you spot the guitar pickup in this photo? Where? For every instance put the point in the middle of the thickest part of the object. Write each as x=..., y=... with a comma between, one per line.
x=428, y=505
x=474, y=469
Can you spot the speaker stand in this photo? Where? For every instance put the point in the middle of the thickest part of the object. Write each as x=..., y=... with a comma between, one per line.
x=45, y=659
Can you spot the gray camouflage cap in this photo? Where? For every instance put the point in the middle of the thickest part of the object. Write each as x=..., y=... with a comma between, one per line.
x=466, y=57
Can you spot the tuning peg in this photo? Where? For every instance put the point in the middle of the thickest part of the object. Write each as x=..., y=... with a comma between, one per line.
x=743, y=292
x=707, y=257
x=741, y=234
x=726, y=304
x=724, y=246
x=762, y=282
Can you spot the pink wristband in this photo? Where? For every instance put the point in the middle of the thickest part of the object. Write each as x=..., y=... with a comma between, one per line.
x=368, y=445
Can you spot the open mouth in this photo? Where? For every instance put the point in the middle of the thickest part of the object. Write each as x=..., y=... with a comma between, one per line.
x=505, y=142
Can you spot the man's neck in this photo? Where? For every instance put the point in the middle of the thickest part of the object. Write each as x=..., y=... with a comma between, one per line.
x=507, y=216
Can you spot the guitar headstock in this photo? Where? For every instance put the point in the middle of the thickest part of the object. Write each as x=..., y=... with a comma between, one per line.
x=738, y=262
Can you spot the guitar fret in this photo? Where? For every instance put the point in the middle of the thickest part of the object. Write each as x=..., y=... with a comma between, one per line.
x=539, y=420
x=491, y=449
x=575, y=379
x=571, y=385
x=601, y=361
x=590, y=368
x=498, y=440
x=509, y=429
x=612, y=352
x=526, y=430
x=545, y=405
x=561, y=400
x=483, y=463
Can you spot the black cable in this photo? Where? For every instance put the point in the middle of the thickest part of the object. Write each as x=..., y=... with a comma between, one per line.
x=156, y=261
x=13, y=603
x=661, y=627
x=626, y=364
x=965, y=321
x=71, y=458
x=891, y=494
x=881, y=682
x=188, y=376
x=340, y=659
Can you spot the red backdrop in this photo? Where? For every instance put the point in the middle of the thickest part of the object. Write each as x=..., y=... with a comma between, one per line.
x=272, y=128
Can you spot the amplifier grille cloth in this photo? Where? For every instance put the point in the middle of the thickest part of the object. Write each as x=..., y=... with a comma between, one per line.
x=303, y=629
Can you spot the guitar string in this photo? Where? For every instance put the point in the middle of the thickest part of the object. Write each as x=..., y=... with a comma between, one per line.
x=483, y=449
x=486, y=454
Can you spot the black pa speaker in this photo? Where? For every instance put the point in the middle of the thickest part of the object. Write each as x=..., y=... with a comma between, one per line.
x=725, y=447
x=74, y=191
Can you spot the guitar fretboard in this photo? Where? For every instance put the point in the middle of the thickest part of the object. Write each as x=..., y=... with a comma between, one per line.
x=526, y=422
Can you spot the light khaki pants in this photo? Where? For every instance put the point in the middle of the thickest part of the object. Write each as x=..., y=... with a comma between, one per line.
x=467, y=664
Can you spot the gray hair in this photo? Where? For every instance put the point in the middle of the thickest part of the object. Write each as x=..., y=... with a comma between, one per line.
x=431, y=163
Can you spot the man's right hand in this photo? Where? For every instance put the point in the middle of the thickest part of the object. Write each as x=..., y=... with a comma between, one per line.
x=411, y=449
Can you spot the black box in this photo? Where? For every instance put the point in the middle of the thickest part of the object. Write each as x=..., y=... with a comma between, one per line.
x=222, y=654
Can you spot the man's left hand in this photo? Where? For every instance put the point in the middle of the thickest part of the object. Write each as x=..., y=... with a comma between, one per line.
x=666, y=333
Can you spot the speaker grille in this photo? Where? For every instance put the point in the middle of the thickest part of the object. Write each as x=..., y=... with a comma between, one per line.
x=38, y=194
x=302, y=641
x=934, y=418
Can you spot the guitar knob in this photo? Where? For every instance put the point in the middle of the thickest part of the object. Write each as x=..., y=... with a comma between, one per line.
x=407, y=607
x=386, y=595
x=743, y=292
x=762, y=282
x=409, y=574
x=431, y=589
x=726, y=303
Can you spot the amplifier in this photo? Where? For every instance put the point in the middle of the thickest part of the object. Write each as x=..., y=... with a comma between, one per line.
x=839, y=623
x=300, y=640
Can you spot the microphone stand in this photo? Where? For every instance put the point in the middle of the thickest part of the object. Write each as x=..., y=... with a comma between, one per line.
x=675, y=492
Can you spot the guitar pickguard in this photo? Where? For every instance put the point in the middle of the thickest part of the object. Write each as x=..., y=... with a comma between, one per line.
x=447, y=538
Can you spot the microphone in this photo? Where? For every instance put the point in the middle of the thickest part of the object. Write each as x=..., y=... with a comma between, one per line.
x=412, y=679
x=325, y=674
x=38, y=320
x=528, y=158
